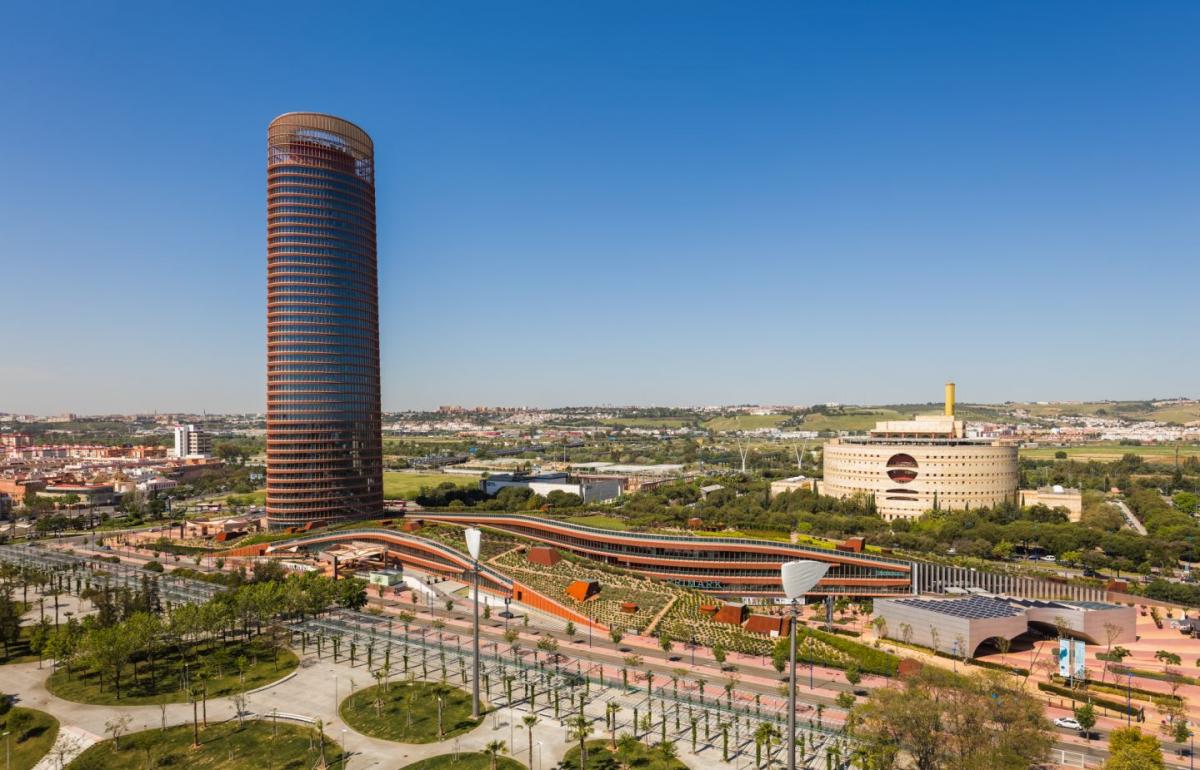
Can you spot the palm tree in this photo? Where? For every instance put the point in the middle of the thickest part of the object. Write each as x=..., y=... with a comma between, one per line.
x=764, y=735
x=493, y=751
x=612, y=709
x=580, y=728
x=440, y=691
x=667, y=751
x=627, y=748
x=530, y=720
x=379, y=675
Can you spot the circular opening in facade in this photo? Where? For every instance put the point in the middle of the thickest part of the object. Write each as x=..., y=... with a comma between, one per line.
x=902, y=468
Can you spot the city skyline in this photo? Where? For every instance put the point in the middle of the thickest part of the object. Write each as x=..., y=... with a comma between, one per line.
x=630, y=207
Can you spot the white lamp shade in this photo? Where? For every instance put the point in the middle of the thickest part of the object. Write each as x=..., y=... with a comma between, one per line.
x=474, y=538
x=799, y=577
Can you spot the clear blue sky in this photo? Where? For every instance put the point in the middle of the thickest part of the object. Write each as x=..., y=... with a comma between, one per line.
x=669, y=203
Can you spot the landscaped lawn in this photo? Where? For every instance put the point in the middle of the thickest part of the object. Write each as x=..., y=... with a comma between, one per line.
x=256, y=745
x=600, y=757
x=398, y=485
x=465, y=761
x=599, y=520
x=257, y=497
x=33, y=733
x=83, y=685
x=409, y=712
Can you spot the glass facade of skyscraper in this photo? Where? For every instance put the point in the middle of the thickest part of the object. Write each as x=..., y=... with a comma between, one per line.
x=324, y=452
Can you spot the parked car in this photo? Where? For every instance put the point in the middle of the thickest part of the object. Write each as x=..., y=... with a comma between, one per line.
x=1185, y=627
x=1069, y=723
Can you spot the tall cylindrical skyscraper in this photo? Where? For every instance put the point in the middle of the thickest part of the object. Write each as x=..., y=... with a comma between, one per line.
x=324, y=450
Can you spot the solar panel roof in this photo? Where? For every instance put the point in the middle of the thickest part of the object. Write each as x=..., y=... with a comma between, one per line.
x=1093, y=605
x=973, y=608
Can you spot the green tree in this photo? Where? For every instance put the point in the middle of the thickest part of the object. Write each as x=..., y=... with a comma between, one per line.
x=764, y=736
x=1129, y=749
x=1180, y=731
x=493, y=750
x=109, y=650
x=351, y=593
x=10, y=620
x=1167, y=658
x=627, y=750
x=781, y=654
x=530, y=721
x=939, y=719
x=579, y=729
x=1185, y=502
x=1085, y=715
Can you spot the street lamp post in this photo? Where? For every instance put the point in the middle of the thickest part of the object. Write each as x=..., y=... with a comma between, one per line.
x=474, y=537
x=797, y=579
x=7, y=750
x=791, y=736
x=1129, y=700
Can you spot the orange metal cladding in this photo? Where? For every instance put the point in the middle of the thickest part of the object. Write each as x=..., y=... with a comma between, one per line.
x=324, y=447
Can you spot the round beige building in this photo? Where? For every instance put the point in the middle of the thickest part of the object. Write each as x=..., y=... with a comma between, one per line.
x=913, y=466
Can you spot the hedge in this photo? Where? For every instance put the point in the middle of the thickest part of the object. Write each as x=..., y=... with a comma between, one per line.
x=1074, y=695
x=869, y=659
x=1164, y=677
x=1136, y=692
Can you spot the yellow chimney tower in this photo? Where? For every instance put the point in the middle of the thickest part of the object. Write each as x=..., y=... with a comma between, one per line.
x=949, y=399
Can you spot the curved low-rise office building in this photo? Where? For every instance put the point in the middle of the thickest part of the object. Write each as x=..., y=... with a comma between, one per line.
x=324, y=448
x=910, y=467
x=740, y=568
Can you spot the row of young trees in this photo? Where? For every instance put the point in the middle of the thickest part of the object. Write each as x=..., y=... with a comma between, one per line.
x=133, y=630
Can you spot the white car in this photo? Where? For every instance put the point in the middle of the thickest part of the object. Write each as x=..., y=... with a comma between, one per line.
x=1069, y=723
